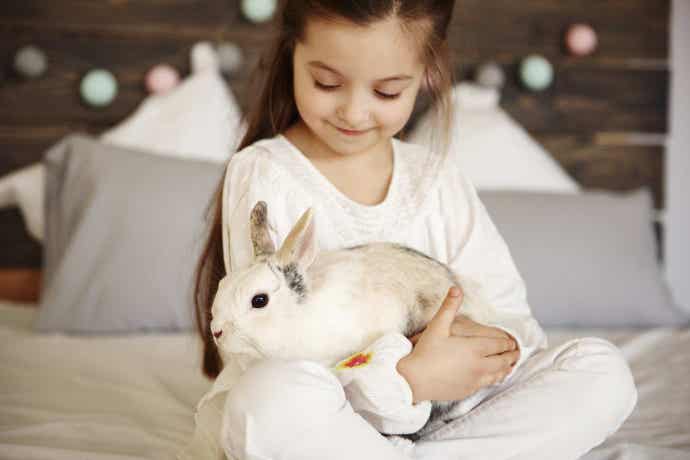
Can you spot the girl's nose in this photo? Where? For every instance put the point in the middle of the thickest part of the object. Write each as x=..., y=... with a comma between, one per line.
x=354, y=112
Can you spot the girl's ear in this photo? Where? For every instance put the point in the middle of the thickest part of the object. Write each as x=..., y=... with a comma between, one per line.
x=258, y=230
x=300, y=245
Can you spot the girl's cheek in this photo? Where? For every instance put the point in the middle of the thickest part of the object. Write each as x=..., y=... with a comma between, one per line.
x=322, y=105
x=304, y=104
x=395, y=116
x=315, y=109
x=311, y=102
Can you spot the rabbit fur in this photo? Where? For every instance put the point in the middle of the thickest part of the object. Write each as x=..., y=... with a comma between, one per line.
x=298, y=303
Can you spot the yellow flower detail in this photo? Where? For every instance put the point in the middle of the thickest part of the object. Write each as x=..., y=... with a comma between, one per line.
x=356, y=360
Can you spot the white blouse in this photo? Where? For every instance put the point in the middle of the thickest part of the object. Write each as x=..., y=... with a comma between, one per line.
x=430, y=206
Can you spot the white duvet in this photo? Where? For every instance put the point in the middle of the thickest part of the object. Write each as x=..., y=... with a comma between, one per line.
x=133, y=397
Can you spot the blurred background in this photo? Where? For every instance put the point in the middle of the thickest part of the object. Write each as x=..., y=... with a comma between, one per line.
x=117, y=118
x=604, y=108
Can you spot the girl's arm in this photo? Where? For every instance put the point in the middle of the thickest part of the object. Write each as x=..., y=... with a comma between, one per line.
x=484, y=257
x=378, y=391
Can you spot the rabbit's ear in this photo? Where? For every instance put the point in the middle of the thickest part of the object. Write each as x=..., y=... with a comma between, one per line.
x=300, y=244
x=258, y=229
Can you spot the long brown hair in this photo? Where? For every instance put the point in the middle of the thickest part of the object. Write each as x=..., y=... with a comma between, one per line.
x=275, y=109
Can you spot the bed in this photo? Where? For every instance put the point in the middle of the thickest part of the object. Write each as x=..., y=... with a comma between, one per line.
x=113, y=371
x=106, y=366
x=133, y=397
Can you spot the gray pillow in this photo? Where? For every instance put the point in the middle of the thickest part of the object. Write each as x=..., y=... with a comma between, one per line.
x=587, y=259
x=124, y=231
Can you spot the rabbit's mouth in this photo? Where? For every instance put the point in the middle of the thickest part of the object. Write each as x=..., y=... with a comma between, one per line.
x=235, y=341
x=220, y=335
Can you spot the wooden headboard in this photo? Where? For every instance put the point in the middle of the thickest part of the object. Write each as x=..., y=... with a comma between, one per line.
x=604, y=119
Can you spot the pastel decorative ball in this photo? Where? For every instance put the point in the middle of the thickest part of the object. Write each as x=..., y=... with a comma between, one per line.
x=161, y=78
x=536, y=72
x=98, y=87
x=491, y=75
x=581, y=39
x=30, y=62
x=230, y=57
x=258, y=10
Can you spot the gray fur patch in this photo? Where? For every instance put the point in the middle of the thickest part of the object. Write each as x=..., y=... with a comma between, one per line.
x=412, y=251
x=413, y=324
x=437, y=419
x=356, y=247
x=295, y=280
x=423, y=301
x=410, y=326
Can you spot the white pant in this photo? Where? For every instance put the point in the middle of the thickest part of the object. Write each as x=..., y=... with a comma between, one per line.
x=562, y=402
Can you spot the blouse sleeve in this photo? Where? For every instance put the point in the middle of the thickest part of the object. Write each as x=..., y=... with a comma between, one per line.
x=483, y=257
x=377, y=392
x=248, y=179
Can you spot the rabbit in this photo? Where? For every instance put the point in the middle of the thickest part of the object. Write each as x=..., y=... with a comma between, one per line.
x=296, y=304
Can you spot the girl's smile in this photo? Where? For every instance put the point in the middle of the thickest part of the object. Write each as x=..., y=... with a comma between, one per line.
x=349, y=132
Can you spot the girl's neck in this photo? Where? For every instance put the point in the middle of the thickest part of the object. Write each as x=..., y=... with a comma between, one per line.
x=364, y=178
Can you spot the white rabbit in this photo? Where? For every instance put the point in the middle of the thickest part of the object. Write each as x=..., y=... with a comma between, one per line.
x=297, y=304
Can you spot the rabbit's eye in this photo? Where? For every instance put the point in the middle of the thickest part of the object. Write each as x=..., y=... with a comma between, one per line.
x=260, y=300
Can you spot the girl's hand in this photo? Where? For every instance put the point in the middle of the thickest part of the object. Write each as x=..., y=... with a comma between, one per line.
x=445, y=367
x=463, y=326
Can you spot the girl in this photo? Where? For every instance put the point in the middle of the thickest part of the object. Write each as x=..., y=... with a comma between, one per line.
x=339, y=84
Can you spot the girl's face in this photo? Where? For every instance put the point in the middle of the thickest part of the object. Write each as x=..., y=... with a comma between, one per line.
x=355, y=86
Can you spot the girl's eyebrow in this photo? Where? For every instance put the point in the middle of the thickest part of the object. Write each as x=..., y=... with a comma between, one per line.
x=325, y=67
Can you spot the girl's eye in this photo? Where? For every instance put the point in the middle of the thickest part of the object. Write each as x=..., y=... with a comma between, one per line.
x=333, y=87
x=324, y=87
x=387, y=96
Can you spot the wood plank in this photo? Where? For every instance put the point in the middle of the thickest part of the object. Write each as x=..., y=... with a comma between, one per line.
x=590, y=100
x=54, y=98
x=172, y=14
x=18, y=248
x=587, y=99
x=626, y=28
x=506, y=29
x=581, y=99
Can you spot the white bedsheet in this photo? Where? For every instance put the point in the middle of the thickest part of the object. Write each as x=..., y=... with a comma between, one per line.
x=101, y=398
x=133, y=397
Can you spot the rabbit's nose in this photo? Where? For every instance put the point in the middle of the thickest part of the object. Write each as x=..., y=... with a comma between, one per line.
x=217, y=334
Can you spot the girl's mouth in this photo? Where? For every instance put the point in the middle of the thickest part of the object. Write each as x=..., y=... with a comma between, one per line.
x=349, y=132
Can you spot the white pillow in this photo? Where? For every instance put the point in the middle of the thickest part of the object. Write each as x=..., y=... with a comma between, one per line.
x=200, y=118
x=495, y=152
